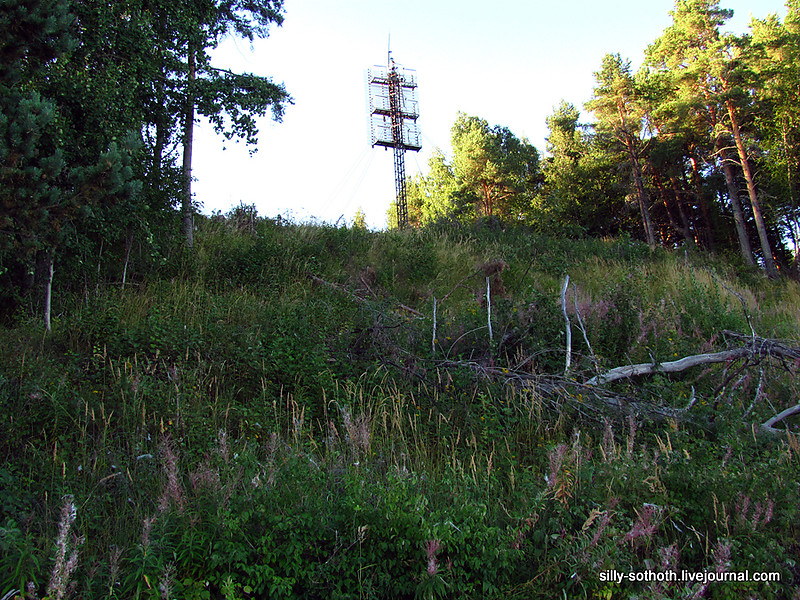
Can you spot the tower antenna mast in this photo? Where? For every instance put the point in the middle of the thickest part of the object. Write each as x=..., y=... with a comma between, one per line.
x=394, y=111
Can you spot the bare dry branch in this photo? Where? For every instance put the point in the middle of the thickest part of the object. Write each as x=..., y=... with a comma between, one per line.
x=754, y=347
x=596, y=402
x=674, y=366
x=789, y=412
x=583, y=329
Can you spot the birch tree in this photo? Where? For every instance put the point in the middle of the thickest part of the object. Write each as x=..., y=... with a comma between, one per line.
x=231, y=101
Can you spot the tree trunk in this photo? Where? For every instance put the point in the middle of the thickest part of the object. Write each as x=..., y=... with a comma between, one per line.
x=736, y=206
x=709, y=241
x=687, y=228
x=630, y=145
x=128, y=246
x=642, y=195
x=681, y=228
x=48, y=291
x=487, y=199
x=160, y=120
x=675, y=366
x=769, y=261
x=567, y=327
x=663, y=193
x=43, y=282
x=187, y=218
x=158, y=152
x=788, y=150
x=791, y=217
x=794, y=231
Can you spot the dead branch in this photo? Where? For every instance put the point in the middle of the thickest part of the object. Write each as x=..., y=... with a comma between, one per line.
x=336, y=286
x=767, y=425
x=596, y=402
x=367, y=285
x=766, y=347
x=413, y=311
x=741, y=300
x=753, y=347
x=583, y=329
x=592, y=402
x=489, y=307
x=433, y=338
x=346, y=291
x=674, y=366
x=459, y=284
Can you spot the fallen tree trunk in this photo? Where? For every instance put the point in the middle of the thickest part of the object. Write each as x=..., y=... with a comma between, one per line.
x=754, y=347
x=674, y=366
x=592, y=400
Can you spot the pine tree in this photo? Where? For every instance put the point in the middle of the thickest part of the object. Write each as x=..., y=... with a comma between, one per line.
x=492, y=174
x=619, y=114
x=582, y=193
x=706, y=71
x=775, y=57
x=58, y=161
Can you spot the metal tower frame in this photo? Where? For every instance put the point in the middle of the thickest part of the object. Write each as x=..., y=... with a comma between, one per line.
x=393, y=120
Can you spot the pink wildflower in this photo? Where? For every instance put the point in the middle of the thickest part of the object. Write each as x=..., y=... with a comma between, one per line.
x=431, y=548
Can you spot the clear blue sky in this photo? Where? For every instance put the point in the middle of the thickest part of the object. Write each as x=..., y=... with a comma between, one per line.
x=508, y=62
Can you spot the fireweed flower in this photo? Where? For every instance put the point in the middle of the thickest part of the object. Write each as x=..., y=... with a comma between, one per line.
x=64, y=567
x=431, y=548
x=556, y=459
x=646, y=524
x=173, y=491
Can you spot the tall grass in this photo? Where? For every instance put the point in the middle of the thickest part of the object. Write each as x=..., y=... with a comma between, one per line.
x=244, y=430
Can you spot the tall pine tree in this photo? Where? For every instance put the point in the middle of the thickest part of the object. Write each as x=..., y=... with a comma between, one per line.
x=705, y=68
x=619, y=114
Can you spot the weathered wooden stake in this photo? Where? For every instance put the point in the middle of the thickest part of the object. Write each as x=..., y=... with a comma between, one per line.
x=489, y=307
x=568, y=360
x=433, y=339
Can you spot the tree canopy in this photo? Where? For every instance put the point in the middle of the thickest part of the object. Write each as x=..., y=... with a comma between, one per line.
x=703, y=136
x=96, y=102
x=699, y=146
x=492, y=174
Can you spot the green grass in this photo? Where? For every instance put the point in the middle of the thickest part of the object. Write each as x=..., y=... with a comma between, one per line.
x=275, y=420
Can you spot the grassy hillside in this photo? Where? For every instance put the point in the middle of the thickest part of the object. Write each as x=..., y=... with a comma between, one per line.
x=306, y=411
